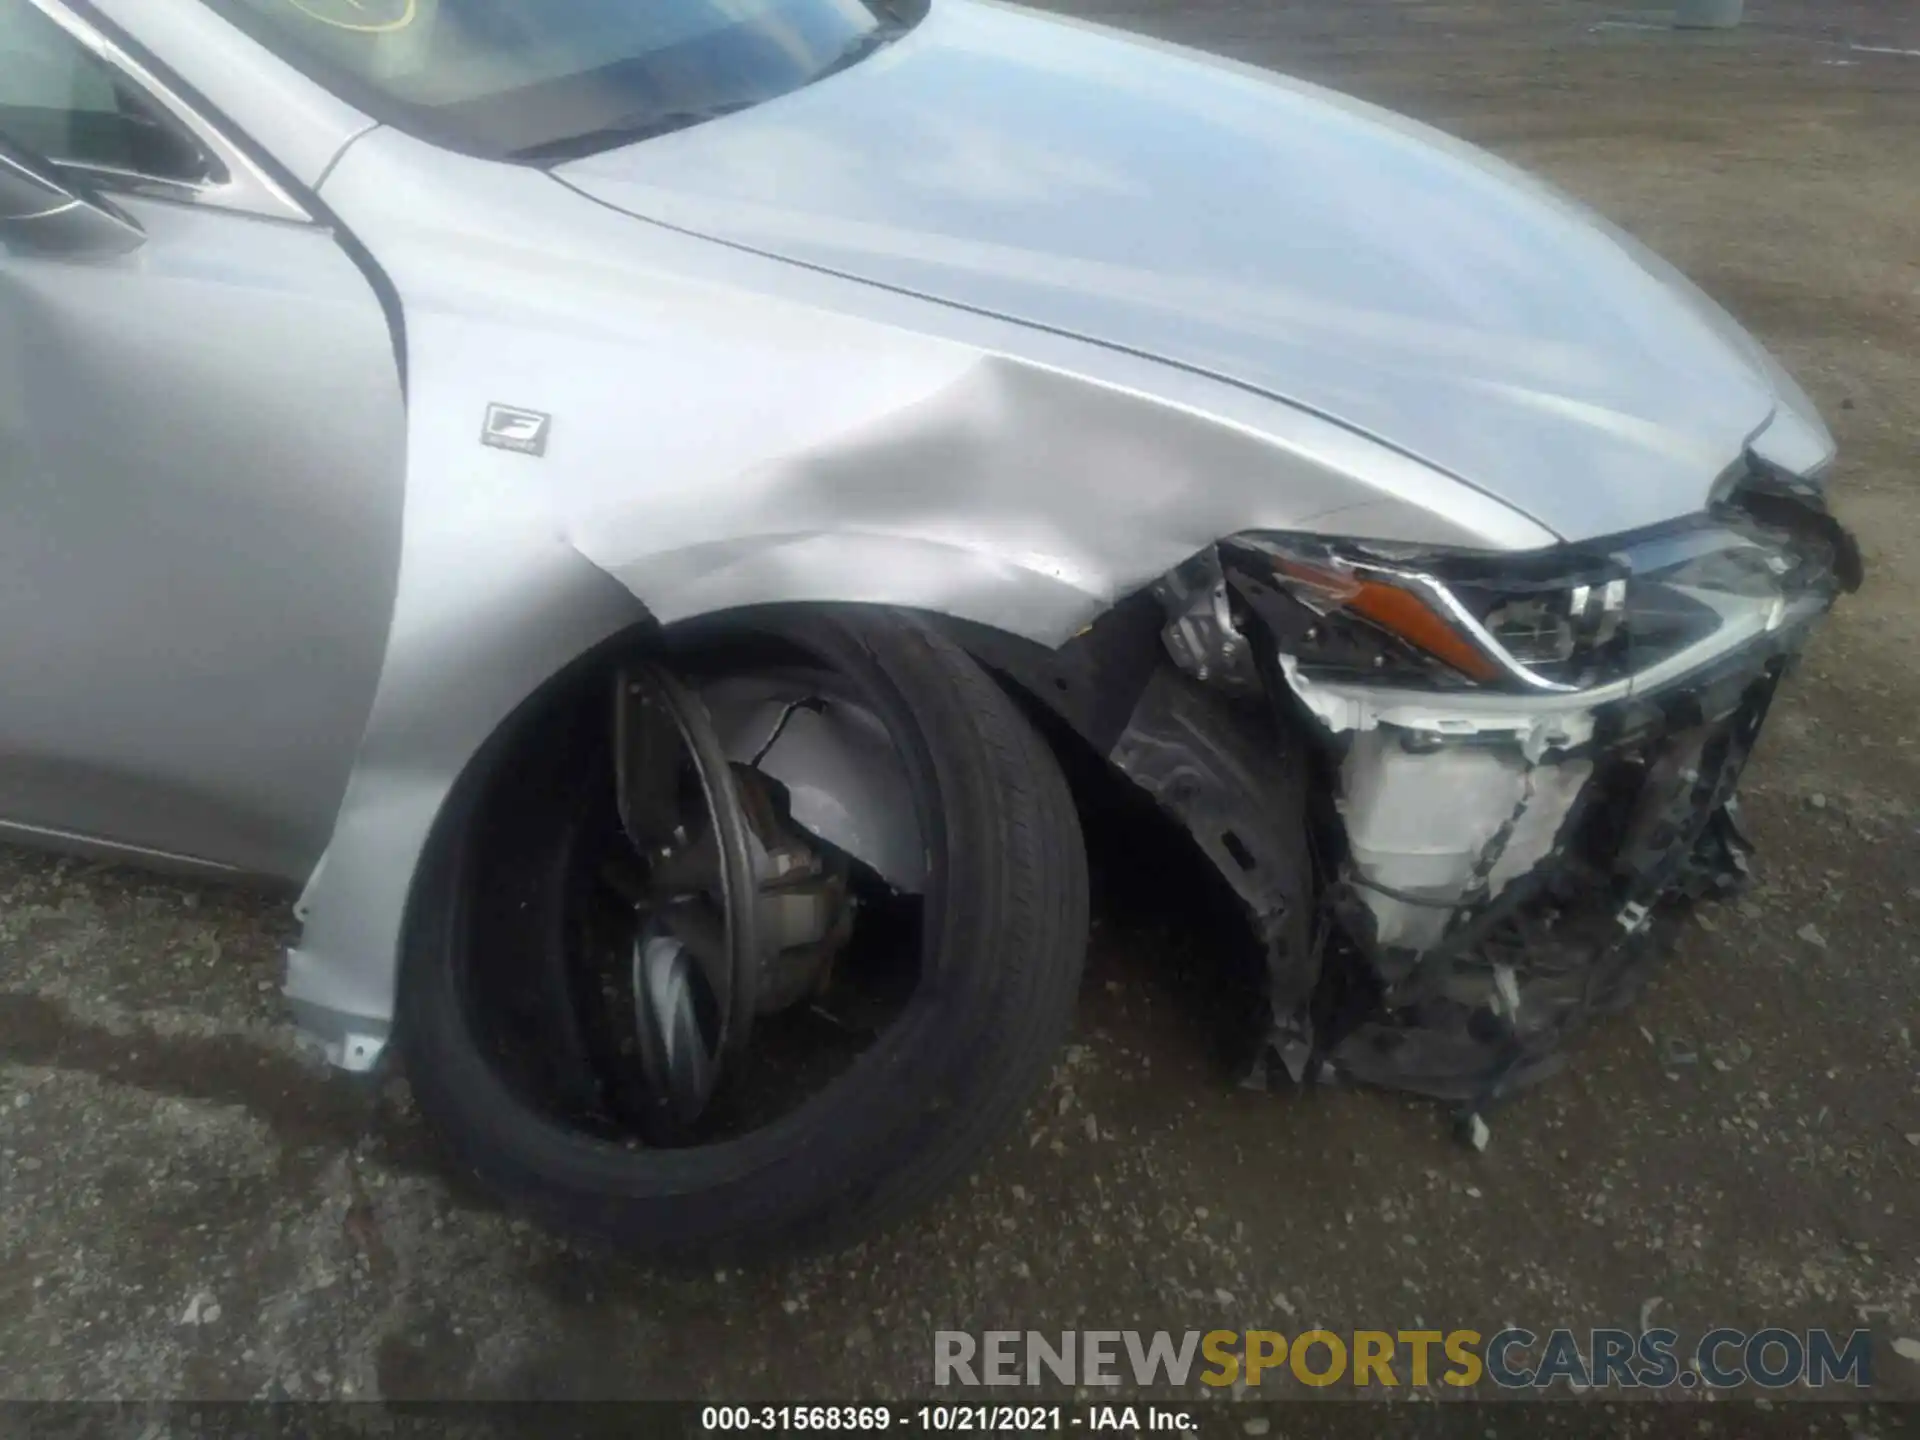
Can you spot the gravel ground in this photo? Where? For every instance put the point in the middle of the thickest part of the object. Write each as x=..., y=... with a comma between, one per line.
x=191, y=1207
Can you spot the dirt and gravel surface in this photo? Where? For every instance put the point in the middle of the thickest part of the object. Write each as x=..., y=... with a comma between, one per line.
x=191, y=1207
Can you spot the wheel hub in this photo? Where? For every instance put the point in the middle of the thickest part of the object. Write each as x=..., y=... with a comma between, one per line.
x=738, y=912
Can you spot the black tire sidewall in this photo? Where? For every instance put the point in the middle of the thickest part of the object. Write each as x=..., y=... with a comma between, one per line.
x=994, y=998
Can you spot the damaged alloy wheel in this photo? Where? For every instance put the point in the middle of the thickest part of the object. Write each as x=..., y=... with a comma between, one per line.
x=750, y=945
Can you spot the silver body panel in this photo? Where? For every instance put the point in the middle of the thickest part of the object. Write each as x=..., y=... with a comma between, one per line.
x=1290, y=240
x=199, y=534
x=730, y=430
x=1022, y=368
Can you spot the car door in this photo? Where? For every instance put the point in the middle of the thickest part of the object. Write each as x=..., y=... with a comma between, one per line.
x=202, y=452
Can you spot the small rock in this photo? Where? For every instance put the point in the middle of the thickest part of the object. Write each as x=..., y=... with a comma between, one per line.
x=1200, y=1212
x=1907, y=1349
x=1256, y=1425
x=1474, y=1131
x=1225, y=1297
x=792, y=1307
x=1913, y=1137
x=1817, y=800
x=1093, y=1128
x=1812, y=936
x=1473, y=1192
x=210, y=1313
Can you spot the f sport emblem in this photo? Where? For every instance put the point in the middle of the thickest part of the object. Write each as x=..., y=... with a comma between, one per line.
x=522, y=431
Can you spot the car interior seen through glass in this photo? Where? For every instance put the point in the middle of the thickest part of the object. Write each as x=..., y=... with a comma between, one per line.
x=549, y=80
x=60, y=101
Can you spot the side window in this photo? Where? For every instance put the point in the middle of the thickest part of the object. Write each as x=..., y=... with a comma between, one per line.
x=64, y=103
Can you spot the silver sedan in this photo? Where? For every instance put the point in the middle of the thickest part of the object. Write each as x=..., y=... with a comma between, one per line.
x=636, y=505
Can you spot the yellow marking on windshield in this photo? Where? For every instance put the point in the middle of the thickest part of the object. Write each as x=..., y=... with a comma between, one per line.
x=359, y=27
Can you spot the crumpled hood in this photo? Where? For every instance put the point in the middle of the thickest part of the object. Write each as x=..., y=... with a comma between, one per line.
x=1216, y=217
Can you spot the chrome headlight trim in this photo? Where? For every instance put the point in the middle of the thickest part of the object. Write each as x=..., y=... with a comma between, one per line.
x=1436, y=591
x=1602, y=618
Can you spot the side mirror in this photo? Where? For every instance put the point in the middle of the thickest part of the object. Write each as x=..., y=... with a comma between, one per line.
x=43, y=214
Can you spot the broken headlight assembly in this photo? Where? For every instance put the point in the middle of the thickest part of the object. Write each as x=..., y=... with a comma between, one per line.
x=1530, y=757
x=1575, y=618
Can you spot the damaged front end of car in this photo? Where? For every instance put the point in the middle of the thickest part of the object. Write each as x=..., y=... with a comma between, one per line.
x=1464, y=796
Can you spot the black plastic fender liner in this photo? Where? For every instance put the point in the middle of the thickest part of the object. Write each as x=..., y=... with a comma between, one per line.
x=1092, y=682
x=1226, y=769
x=1238, y=782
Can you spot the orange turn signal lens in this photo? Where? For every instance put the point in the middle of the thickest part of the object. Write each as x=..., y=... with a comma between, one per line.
x=1399, y=612
x=1413, y=620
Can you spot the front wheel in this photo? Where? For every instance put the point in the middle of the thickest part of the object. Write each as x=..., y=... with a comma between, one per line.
x=750, y=946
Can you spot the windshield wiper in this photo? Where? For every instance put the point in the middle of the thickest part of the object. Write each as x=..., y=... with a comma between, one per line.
x=628, y=130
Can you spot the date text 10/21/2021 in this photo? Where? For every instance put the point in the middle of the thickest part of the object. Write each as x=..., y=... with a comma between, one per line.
x=948, y=1418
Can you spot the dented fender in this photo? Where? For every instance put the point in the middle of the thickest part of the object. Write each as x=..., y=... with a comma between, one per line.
x=721, y=430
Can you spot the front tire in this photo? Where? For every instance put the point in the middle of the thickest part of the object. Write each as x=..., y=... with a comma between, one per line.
x=1002, y=934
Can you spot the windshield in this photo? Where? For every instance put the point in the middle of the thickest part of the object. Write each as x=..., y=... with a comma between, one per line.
x=551, y=80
